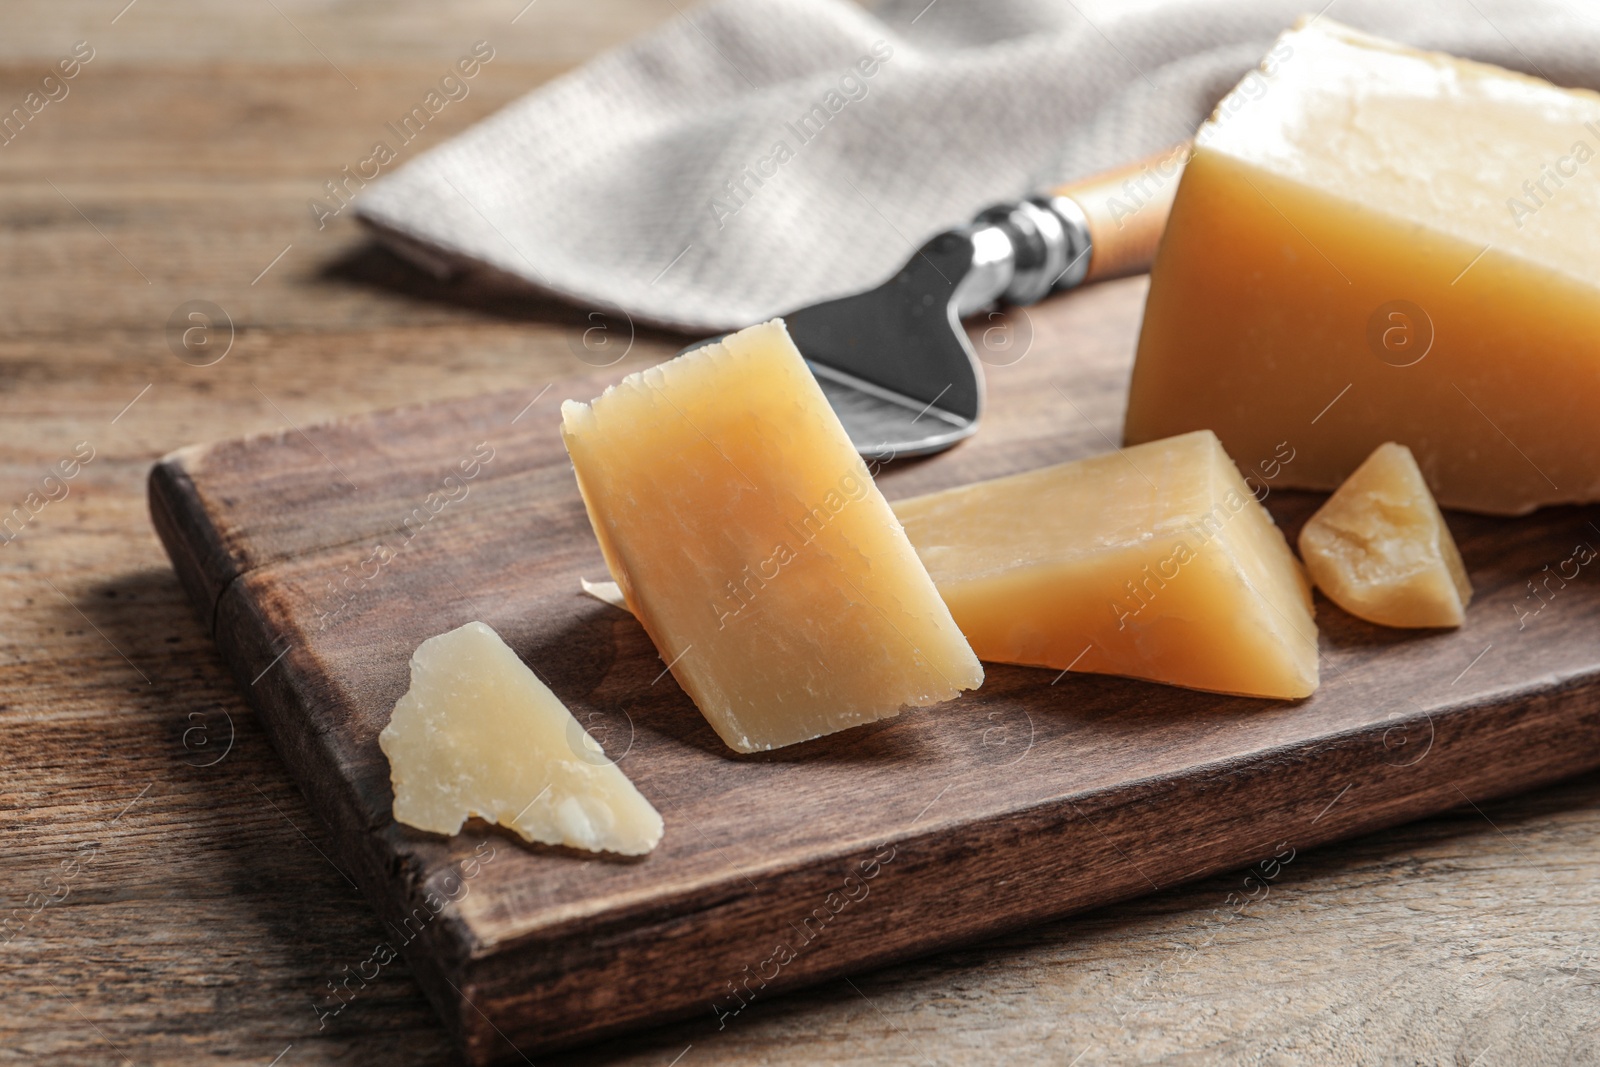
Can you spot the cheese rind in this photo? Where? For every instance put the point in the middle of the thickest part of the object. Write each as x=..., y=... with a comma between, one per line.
x=1155, y=562
x=750, y=541
x=478, y=734
x=1376, y=244
x=1380, y=549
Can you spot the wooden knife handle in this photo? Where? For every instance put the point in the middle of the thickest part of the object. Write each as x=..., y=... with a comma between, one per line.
x=1125, y=211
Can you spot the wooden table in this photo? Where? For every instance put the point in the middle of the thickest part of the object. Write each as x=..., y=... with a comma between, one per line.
x=167, y=894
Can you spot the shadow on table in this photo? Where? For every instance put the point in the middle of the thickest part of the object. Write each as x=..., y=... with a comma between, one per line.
x=477, y=287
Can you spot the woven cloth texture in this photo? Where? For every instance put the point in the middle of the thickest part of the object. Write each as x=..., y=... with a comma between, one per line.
x=750, y=157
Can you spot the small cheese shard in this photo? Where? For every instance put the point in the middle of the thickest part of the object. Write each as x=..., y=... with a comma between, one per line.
x=750, y=541
x=607, y=592
x=1380, y=549
x=1377, y=244
x=1155, y=562
x=479, y=734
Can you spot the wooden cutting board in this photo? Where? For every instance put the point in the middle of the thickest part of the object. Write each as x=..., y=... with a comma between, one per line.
x=321, y=559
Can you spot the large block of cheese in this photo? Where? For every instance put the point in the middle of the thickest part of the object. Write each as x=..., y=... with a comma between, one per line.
x=1376, y=244
x=750, y=541
x=1154, y=562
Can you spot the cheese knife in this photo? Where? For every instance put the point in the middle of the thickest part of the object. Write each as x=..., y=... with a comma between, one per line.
x=895, y=362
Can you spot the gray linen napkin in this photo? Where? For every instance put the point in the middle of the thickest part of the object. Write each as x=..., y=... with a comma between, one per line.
x=755, y=156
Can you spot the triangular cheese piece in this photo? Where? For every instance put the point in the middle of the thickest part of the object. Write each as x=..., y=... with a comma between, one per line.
x=479, y=734
x=1380, y=549
x=1154, y=562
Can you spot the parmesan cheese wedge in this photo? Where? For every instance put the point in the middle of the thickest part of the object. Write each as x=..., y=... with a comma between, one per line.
x=748, y=538
x=1380, y=549
x=1153, y=562
x=478, y=734
x=1376, y=244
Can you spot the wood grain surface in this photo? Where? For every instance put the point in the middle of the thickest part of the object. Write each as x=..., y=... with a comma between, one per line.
x=321, y=557
x=198, y=920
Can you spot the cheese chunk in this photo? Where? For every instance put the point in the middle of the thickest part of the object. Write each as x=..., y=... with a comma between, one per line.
x=1155, y=562
x=1375, y=244
x=1380, y=549
x=479, y=734
x=750, y=541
